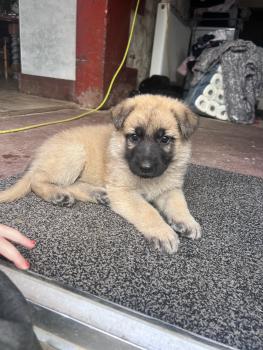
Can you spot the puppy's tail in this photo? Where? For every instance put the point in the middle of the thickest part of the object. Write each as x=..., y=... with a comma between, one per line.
x=18, y=190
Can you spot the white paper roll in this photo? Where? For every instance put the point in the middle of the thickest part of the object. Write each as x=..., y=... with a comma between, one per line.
x=221, y=113
x=201, y=103
x=217, y=80
x=219, y=98
x=210, y=92
x=212, y=108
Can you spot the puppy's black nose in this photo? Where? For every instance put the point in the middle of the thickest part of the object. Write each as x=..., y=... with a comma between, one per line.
x=146, y=166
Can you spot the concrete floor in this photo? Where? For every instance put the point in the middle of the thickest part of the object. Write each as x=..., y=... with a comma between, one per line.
x=232, y=147
x=237, y=148
x=14, y=103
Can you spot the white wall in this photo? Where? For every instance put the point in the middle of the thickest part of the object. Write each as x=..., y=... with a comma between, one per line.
x=171, y=43
x=48, y=38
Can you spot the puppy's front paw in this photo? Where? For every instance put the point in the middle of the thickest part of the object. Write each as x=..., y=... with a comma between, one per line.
x=166, y=241
x=189, y=228
x=63, y=200
x=100, y=197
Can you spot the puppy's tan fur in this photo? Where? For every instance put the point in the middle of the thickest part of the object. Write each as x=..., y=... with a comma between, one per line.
x=88, y=164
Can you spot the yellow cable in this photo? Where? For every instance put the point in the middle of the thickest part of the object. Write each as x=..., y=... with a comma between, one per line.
x=103, y=101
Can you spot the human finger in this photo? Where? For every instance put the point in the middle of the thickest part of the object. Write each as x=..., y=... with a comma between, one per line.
x=16, y=236
x=11, y=253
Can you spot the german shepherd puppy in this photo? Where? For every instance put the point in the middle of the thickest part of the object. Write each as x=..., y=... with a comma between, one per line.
x=136, y=165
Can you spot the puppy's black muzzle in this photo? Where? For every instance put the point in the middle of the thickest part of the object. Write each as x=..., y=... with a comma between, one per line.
x=145, y=160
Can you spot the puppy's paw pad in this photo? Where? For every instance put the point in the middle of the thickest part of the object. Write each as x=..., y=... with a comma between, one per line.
x=190, y=229
x=168, y=245
x=178, y=227
x=101, y=197
x=63, y=200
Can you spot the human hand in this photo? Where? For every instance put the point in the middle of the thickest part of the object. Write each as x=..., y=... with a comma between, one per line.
x=8, y=250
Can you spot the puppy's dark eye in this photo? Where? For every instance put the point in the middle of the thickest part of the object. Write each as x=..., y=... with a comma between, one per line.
x=165, y=139
x=134, y=138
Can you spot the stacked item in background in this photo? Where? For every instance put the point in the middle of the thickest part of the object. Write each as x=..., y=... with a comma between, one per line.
x=227, y=81
x=211, y=101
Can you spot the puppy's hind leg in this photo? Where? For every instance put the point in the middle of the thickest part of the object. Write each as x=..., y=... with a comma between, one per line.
x=85, y=192
x=50, y=192
x=58, y=164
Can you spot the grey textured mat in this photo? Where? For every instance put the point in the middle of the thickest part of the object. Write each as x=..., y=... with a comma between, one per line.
x=212, y=287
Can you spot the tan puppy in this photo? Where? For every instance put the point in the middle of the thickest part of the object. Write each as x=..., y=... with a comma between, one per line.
x=140, y=159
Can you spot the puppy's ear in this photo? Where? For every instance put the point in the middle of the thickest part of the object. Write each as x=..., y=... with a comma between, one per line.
x=120, y=112
x=187, y=121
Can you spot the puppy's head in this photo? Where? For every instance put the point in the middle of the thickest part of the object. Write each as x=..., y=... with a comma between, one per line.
x=153, y=127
